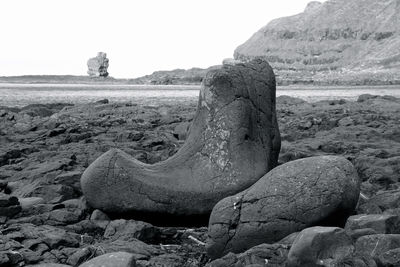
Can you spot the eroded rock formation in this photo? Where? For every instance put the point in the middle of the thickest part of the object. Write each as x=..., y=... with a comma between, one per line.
x=233, y=141
x=97, y=66
x=298, y=194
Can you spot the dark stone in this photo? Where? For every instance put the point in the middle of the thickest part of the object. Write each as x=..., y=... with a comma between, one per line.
x=181, y=130
x=293, y=196
x=317, y=246
x=271, y=255
x=7, y=200
x=233, y=141
x=103, y=101
x=381, y=223
x=98, y=215
x=376, y=245
x=127, y=230
x=71, y=179
x=390, y=258
x=82, y=255
x=365, y=97
x=382, y=201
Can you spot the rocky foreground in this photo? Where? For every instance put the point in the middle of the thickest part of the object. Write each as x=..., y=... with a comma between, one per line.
x=44, y=149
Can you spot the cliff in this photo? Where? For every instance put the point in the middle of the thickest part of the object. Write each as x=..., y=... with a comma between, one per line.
x=338, y=41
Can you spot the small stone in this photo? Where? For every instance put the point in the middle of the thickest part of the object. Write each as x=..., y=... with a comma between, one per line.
x=115, y=259
x=346, y=121
x=317, y=246
x=376, y=245
x=381, y=223
x=390, y=258
x=48, y=265
x=65, y=216
x=29, y=202
x=271, y=255
x=10, y=211
x=365, y=97
x=170, y=260
x=382, y=201
x=181, y=130
x=130, y=229
x=7, y=200
x=98, y=215
x=103, y=101
x=82, y=255
x=357, y=233
x=71, y=179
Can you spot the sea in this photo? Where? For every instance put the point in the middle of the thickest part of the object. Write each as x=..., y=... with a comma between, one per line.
x=19, y=95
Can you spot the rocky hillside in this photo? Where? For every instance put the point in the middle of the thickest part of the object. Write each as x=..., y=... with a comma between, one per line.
x=338, y=41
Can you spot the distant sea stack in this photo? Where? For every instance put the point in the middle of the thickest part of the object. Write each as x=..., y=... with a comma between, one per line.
x=97, y=66
x=335, y=42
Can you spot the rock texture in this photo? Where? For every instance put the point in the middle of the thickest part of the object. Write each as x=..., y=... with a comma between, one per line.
x=320, y=246
x=291, y=197
x=116, y=259
x=338, y=41
x=42, y=170
x=97, y=66
x=233, y=141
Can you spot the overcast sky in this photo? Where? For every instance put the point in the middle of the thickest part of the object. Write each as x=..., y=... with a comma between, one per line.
x=139, y=36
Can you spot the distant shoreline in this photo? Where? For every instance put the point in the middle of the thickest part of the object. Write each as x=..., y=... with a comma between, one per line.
x=174, y=82
x=87, y=86
x=101, y=86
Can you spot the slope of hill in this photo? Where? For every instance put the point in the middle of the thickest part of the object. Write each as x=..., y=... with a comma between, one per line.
x=338, y=41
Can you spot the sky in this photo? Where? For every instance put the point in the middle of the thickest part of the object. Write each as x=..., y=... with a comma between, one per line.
x=139, y=36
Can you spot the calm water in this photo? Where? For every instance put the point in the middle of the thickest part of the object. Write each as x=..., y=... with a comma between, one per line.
x=24, y=94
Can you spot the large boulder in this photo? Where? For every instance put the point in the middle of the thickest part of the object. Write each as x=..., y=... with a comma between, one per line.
x=97, y=66
x=302, y=193
x=233, y=141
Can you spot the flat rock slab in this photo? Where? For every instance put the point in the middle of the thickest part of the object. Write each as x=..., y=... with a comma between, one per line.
x=291, y=197
x=115, y=259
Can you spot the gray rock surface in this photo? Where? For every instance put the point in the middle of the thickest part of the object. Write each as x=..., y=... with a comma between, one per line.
x=115, y=259
x=233, y=141
x=319, y=246
x=271, y=255
x=376, y=245
x=380, y=223
x=291, y=197
x=97, y=66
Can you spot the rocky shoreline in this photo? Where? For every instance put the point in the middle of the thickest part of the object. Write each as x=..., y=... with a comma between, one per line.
x=45, y=149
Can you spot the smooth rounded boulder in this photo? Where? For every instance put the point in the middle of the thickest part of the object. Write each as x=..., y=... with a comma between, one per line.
x=302, y=193
x=233, y=141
